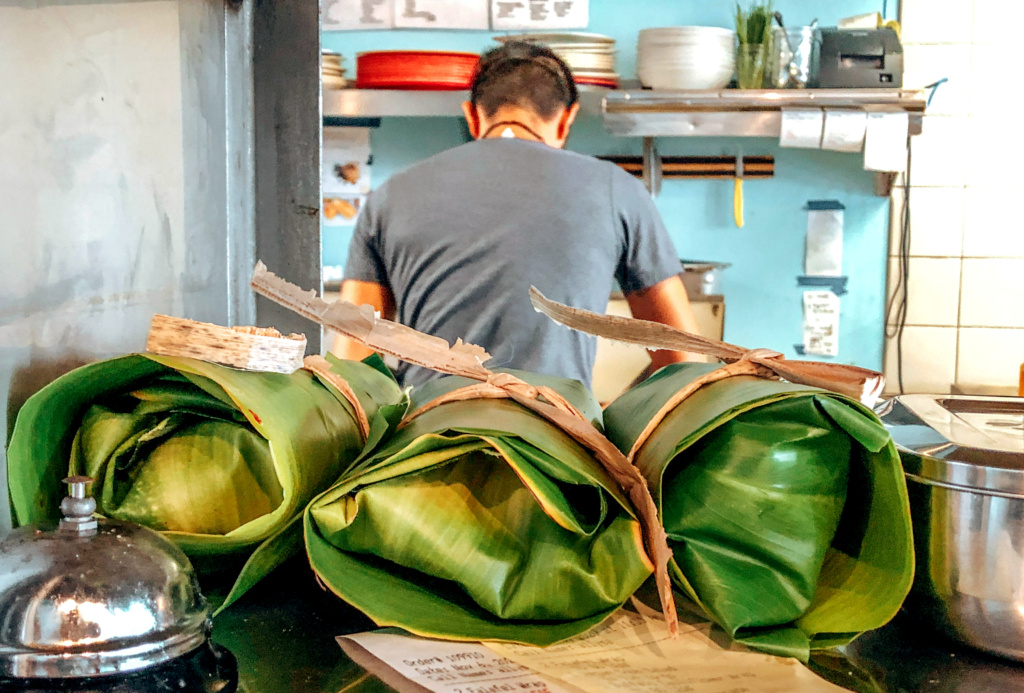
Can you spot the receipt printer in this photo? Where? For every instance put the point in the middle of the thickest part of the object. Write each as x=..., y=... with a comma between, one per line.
x=860, y=58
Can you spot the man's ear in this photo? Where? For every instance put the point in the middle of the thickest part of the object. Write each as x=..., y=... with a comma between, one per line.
x=565, y=121
x=472, y=119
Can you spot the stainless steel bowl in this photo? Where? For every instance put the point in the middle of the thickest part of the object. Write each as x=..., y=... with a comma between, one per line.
x=964, y=462
x=91, y=598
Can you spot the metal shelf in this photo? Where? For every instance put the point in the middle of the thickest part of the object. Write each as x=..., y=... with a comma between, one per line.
x=649, y=113
x=386, y=103
x=741, y=112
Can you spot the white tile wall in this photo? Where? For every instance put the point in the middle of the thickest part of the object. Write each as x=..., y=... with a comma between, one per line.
x=925, y=64
x=966, y=294
x=936, y=21
x=989, y=65
x=993, y=152
x=934, y=290
x=992, y=293
x=992, y=225
x=990, y=356
x=996, y=21
x=939, y=154
x=936, y=222
x=929, y=361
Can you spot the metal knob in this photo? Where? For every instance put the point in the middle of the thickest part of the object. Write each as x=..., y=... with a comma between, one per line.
x=78, y=508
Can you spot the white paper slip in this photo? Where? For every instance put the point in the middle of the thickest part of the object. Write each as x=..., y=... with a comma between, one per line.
x=801, y=127
x=354, y=15
x=537, y=15
x=635, y=653
x=885, y=141
x=823, y=256
x=412, y=665
x=844, y=130
x=442, y=14
x=821, y=323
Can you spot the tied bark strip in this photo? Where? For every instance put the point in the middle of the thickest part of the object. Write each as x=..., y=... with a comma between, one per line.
x=320, y=366
x=362, y=324
x=859, y=383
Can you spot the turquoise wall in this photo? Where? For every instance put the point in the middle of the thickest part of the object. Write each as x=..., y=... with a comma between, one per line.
x=763, y=301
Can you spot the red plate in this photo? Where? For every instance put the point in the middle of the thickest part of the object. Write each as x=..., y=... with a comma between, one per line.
x=415, y=70
x=597, y=82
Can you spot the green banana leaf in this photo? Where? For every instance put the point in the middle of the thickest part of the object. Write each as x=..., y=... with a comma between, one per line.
x=222, y=461
x=480, y=520
x=785, y=505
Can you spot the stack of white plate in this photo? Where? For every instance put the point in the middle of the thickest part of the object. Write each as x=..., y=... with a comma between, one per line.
x=590, y=57
x=686, y=57
x=331, y=72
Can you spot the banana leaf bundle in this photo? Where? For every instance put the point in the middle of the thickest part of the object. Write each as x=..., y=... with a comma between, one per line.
x=498, y=511
x=784, y=503
x=222, y=461
x=480, y=519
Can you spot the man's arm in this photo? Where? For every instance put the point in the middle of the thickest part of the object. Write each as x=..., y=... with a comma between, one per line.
x=362, y=293
x=666, y=302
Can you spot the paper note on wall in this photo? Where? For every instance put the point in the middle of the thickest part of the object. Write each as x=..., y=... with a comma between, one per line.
x=821, y=323
x=344, y=174
x=355, y=15
x=537, y=15
x=801, y=127
x=885, y=141
x=442, y=14
x=844, y=130
x=823, y=255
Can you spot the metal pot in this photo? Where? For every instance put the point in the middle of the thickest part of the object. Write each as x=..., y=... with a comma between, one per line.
x=964, y=462
x=89, y=598
x=703, y=278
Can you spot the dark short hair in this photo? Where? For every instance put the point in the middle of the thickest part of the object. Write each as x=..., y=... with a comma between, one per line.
x=523, y=74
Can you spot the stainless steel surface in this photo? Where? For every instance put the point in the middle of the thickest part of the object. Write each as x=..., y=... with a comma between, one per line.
x=964, y=476
x=286, y=63
x=740, y=112
x=80, y=602
x=976, y=443
x=703, y=278
x=795, y=62
x=380, y=103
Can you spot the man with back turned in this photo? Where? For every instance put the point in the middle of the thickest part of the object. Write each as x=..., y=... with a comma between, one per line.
x=451, y=245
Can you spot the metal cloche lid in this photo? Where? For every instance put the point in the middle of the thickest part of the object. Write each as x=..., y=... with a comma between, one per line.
x=973, y=443
x=90, y=598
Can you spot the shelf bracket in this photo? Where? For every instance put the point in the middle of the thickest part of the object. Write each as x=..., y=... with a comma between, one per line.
x=652, y=167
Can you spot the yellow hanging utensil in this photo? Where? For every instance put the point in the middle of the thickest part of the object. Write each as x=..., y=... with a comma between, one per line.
x=737, y=192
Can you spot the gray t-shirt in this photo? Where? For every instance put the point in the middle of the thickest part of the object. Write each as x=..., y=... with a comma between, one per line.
x=460, y=237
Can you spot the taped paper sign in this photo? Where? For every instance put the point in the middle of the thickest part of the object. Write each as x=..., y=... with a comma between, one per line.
x=821, y=323
x=354, y=15
x=441, y=14
x=534, y=15
x=344, y=174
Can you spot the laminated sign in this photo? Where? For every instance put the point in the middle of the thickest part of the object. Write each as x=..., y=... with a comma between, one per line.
x=539, y=14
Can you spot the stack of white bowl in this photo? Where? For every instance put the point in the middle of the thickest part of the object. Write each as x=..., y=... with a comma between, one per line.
x=686, y=57
x=331, y=71
x=590, y=57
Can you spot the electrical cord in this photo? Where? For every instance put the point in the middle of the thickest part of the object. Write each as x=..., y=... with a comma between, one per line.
x=898, y=300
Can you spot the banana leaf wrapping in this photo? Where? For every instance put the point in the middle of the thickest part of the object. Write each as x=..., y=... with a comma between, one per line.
x=785, y=505
x=480, y=519
x=222, y=461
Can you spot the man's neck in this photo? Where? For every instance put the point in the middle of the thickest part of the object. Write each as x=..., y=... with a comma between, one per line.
x=518, y=123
